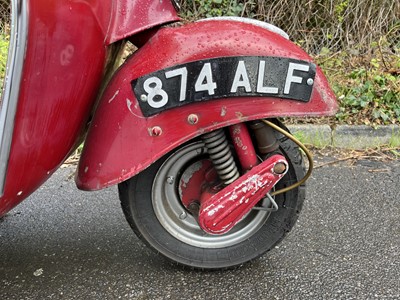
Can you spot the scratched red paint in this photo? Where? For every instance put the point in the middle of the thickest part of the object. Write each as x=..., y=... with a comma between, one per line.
x=223, y=210
x=243, y=146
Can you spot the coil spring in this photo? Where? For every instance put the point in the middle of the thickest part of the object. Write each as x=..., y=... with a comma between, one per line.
x=221, y=155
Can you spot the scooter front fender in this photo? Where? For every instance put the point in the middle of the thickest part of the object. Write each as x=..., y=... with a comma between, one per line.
x=122, y=141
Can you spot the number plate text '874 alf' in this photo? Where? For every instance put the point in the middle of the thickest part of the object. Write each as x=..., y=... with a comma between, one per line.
x=224, y=77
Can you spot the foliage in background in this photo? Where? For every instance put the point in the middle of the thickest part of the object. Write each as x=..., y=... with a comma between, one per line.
x=334, y=24
x=3, y=57
x=212, y=8
x=356, y=42
x=367, y=86
x=4, y=38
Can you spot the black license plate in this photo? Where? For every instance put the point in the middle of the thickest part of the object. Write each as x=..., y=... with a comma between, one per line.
x=243, y=76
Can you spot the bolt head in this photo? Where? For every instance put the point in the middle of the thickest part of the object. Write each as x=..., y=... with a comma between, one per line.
x=183, y=216
x=310, y=81
x=279, y=168
x=143, y=97
x=170, y=179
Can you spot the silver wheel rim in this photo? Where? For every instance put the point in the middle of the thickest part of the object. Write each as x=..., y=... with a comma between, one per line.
x=173, y=216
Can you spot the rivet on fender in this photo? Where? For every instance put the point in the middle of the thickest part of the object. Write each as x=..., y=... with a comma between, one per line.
x=155, y=131
x=193, y=119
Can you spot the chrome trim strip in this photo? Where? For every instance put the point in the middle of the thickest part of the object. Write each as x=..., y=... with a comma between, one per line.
x=15, y=62
x=176, y=5
x=264, y=25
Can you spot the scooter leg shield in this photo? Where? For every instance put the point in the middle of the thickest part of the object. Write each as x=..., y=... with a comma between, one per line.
x=193, y=79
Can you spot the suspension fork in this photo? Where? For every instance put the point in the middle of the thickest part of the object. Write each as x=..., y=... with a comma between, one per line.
x=220, y=209
x=221, y=154
x=222, y=168
x=243, y=145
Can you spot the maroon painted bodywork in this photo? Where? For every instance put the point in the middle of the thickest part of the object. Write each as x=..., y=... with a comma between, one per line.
x=132, y=142
x=62, y=73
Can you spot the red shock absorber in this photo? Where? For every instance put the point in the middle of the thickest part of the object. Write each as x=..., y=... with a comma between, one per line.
x=221, y=156
x=220, y=206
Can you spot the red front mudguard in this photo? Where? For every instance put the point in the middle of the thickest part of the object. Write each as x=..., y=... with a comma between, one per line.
x=122, y=141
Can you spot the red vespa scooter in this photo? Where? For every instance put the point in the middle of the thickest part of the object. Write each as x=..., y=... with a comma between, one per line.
x=203, y=177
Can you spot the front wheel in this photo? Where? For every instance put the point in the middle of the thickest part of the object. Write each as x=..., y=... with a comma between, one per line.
x=151, y=202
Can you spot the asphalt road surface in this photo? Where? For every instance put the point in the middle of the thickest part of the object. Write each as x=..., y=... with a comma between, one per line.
x=62, y=243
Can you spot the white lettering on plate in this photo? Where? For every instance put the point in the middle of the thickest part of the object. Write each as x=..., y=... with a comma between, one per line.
x=241, y=78
x=183, y=73
x=290, y=78
x=260, y=82
x=153, y=87
x=205, y=80
x=157, y=97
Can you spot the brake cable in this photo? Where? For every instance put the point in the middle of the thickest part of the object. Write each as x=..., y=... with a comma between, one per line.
x=306, y=151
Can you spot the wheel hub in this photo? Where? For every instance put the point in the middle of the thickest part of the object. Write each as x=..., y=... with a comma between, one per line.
x=174, y=191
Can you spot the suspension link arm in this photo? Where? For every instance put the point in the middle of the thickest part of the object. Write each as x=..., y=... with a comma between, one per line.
x=223, y=210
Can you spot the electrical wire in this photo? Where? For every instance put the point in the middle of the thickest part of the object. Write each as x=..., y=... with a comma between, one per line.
x=306, y=151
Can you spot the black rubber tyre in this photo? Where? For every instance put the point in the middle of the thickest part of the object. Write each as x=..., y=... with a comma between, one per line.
x=249, y=242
